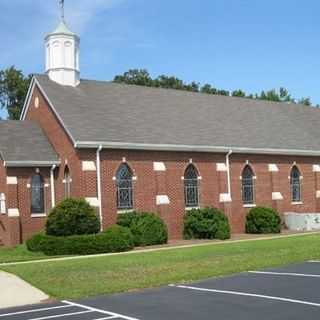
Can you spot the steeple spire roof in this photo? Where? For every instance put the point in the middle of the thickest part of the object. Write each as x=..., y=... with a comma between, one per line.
x=63, y=29
x=62, y=54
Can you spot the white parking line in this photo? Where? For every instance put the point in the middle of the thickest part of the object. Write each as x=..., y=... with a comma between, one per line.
x=116, y=315
x=314, y=261
x=286, y=274
x=35, y=310
x=107, y=318
x=237, y=293
x=62, y=315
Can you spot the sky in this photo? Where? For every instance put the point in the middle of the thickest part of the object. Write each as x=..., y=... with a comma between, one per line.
x=231, y=44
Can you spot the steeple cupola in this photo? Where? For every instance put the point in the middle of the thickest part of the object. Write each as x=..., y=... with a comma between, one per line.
x=62, y=54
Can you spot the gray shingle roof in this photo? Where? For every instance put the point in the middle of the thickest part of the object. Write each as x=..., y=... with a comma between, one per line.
x=23, y=143
x=152, y=118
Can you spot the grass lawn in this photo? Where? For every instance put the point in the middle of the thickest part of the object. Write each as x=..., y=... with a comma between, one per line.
x=19, y=253
x=75, y=279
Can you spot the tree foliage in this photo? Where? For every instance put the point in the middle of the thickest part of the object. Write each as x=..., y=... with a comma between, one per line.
x=143, y=78
x=13, y=90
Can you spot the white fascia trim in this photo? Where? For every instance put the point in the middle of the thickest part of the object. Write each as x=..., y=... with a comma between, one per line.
x=31, y=163
x=23, y=115
x=28, y=98
x=178, y=147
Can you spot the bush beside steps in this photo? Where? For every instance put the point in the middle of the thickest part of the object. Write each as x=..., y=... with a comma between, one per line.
x=147, y=228
x=263, y=220
x=114, y=239
x=207, y=223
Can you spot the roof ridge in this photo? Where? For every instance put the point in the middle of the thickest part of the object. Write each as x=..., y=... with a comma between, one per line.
x=111, y=82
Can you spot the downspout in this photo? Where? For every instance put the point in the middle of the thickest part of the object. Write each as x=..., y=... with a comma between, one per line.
x=53, y=197
x=99, y=185
x=228, y=171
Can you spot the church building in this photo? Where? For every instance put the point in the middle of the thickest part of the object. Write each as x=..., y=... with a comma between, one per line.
x=125, y=147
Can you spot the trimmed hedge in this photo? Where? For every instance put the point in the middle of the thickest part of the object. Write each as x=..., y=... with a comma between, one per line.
x=115, y=239
x=263, y=220
x=72, y=217
x=34, y=244
x=147, y=228
x=207, y=223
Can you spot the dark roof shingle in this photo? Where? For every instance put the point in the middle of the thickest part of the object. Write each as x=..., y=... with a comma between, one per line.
x=107, y=112
x=23, y=143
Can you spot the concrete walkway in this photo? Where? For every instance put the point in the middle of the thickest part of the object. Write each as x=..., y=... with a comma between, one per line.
x=15, y=292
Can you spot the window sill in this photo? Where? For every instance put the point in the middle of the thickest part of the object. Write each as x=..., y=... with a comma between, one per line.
x=296, y=203
x=191, y=208
x=249, y=205
x=125, y=211
x=38, y=215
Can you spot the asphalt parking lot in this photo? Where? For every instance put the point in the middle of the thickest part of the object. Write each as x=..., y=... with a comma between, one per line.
x=291, y=292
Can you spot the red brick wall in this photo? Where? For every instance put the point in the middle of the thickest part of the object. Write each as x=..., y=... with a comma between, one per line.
x=83, y=183
x=3, y=189
x=149, y=183
x=20, y=197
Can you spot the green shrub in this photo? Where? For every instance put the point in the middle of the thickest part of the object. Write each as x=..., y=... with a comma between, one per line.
x=207, y=223
x=147, y=228
x=127, y=218
x=72, y=217
x=115, y=239
x=263, y=220
x=34, y=244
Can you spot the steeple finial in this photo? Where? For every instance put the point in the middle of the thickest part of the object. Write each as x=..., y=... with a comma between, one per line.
x=61, y=2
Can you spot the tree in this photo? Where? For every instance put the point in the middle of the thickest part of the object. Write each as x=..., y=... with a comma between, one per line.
x=13, y=90
x=306, y=102
x=142, y=77
x=273, y=95
x=168, y=82
x=135, y=76
x=238, y=93
x=207, y=88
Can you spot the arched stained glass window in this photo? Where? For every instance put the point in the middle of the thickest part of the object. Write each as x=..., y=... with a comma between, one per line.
x=247, y=185
x=124, y=187
x=295, y=184
x=37, y=194
x=191, y=188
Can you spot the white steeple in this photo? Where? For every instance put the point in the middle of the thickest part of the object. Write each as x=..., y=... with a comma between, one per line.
x=62, y=54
